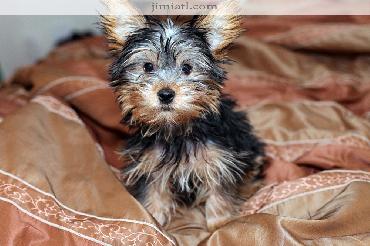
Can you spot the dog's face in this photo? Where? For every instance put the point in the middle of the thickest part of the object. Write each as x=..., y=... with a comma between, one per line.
x=166, y=74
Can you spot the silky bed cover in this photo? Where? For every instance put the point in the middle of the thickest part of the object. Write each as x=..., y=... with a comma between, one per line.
x=305, y=83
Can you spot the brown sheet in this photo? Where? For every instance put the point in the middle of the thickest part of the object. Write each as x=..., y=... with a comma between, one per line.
x=304, y=82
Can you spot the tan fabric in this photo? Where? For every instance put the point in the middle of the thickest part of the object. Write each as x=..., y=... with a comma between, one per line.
x=52, y=150
x=298, y=223
x=23, y=228
x=304, y=82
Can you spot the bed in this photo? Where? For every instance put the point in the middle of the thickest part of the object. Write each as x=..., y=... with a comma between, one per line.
x=305, y=83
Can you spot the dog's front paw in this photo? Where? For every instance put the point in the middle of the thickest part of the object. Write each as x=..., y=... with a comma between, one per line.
x=220, y=209
x=160, y=205
x=161, y=217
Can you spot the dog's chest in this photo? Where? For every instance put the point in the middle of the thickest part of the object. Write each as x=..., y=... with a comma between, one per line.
x=202, y=167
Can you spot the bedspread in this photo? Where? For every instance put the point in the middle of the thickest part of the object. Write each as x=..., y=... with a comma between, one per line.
x=305, y=84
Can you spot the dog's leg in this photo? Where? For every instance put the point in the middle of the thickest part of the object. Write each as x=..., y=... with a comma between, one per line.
x=221, y=208
x=160, y=203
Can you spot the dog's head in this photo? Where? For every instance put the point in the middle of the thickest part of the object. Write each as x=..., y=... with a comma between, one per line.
x=168, y=74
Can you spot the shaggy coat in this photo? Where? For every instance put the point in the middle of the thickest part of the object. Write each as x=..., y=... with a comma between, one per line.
x=190, y=147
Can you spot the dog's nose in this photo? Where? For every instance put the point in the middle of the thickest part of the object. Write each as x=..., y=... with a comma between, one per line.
x=166, y=95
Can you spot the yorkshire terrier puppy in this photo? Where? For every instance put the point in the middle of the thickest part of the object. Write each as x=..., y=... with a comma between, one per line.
x=190, y=147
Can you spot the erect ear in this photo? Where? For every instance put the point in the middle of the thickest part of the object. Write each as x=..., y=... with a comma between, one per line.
x=120, y=21
x=222, y=26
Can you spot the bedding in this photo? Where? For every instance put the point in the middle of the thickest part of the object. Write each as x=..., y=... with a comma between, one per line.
x=305, y=83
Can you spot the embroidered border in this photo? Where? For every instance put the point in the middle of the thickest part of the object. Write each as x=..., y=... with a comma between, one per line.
x=278, y=193
x=47, y=209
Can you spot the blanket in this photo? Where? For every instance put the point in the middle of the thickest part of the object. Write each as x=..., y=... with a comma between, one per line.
x=305, y=84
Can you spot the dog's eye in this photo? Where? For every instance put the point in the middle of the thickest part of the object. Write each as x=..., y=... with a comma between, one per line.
x=186, y=69
x=148, y=67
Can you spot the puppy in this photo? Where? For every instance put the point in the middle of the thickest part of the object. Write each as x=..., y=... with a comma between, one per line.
x=190, y=146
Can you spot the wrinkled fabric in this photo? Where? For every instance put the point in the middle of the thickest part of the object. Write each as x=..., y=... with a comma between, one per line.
x=304, y=82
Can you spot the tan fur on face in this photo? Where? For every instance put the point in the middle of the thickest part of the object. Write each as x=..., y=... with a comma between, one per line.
x=222, y=27
x=191, y=101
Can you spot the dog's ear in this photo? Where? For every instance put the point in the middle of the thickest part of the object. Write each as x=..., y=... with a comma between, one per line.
x=222, y=26
x=120, y=21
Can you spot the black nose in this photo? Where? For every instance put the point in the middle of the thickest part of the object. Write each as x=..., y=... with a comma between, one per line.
x=166, y=95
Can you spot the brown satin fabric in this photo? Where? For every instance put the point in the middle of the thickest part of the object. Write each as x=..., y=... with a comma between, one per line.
x=22, y=229
x=267, y=26
x=48, y=149
x=11, y=98
x=330, y=222
x=270, y=73
x=81, y=65
x=307, y=94
x=48, y=146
